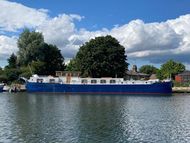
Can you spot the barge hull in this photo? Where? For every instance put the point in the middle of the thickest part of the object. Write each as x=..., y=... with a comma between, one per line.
x=156, y=88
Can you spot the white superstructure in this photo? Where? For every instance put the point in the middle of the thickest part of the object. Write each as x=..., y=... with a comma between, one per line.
x=79, y=80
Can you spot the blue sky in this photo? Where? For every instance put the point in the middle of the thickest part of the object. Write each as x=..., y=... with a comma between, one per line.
x=152, y=31
x=107, y=13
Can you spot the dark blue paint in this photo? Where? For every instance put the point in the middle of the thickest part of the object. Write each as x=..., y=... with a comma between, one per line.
x=1, y=88
x=157, y=88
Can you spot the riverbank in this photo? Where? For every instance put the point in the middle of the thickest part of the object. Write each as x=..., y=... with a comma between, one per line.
x=181, y=89
x=14, y=88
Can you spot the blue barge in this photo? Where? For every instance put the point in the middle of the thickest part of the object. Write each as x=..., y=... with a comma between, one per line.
x=77, y=85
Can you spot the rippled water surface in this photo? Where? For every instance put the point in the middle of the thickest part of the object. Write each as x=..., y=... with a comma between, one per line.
x=43, y=118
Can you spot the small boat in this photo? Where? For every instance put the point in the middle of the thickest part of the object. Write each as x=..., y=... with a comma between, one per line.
x=1, y=87
x=74, y=84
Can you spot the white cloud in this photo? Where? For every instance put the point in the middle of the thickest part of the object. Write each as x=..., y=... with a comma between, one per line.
x=7, y=46
x=59, y=31
x=153, y=42
x=14, y=16
x=156, y=42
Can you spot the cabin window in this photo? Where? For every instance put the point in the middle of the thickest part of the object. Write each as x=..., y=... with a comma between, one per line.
x=93, y=81
x=103, y=81
x=52, y=80
x=58, y=73
x=39, y=80
x=84, y=81
x=63, y=74
x=112, y=81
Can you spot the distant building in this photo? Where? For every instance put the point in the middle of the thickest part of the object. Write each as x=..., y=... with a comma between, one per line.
x=183, y=77
x=134, y=74
x=153, y=76
x=67, y=73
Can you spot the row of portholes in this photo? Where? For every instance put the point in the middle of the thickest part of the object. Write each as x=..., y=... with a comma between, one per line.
x=103, y=81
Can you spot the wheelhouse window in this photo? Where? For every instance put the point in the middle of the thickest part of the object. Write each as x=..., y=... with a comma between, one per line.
x=39, y=80
x=58, y=73
x=63, y=74
x=93, y=81
x=103, y=81
x=52, y=80
x=84, y=81
x=112, y=81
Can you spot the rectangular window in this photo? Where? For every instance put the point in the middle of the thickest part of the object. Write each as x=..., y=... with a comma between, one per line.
x=39, y=80
x=93, y=81
x=52, y=80
x=58, y=73
x=112, y=81
x=84, y=81
x=103, y=81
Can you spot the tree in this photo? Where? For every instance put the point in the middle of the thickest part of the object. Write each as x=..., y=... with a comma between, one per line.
x=72, y=66
x=101, y=57
x=38, y=67
x=52, y=59
x=148, y=69
x=25, y=72
x=11, y=74
x=28, y=44
x=1, y=70
x=12, y=61
x=170, y=69
x=34, y=51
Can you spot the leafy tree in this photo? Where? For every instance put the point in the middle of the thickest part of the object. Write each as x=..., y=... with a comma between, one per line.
x=28, y=44
x=11, y=74
x=101, y=57
x=52, y=59
x=12, y=61
x=72, y=66
x=1, y=70
x=37, y=67
x=148, y=69
x=25, y=72
x=170, y=69
x=33, y=50
x=3, y=77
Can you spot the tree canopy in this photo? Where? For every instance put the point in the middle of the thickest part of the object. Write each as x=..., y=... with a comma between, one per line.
x=72, y=66
x=101, y=57
x=170, y=69
x=148, y=69
x=12, y=60
x=51, y=58
x=29, y=43
x=35, y=52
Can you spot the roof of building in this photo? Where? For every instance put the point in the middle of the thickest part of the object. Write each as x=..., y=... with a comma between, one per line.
x=134, y=72
x=131, y=72
x=153, y=76
x=185, y=73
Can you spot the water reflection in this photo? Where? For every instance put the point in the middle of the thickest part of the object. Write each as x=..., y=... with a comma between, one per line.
x=99, y=119
x=35, y=118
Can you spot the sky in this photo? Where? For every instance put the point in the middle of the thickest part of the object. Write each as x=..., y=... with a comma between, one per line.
x=152, y=31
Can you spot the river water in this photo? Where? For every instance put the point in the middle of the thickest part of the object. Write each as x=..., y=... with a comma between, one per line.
x=54, y=118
